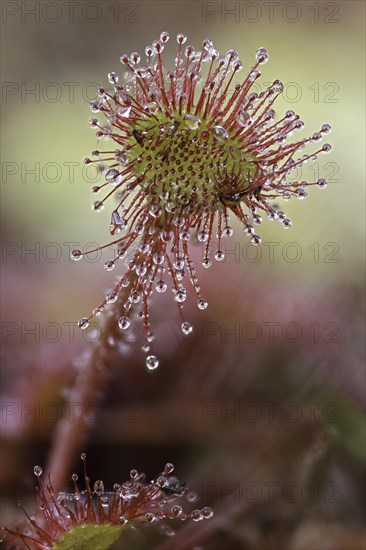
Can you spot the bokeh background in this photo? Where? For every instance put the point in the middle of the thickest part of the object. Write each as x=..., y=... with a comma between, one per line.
x=267, y=427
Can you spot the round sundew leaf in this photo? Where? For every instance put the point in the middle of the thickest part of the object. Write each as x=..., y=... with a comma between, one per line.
x=97, y=537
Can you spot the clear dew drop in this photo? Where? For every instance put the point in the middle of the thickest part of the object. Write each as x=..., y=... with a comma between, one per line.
x=152, y=362
x=113, y=176
x=192, y=121
x=261, y=56
x=220, y=133
x=181, y=38
x=113, y=78
x=186, y=327
x=235, y=153
x=202, y=304
x=164, y=36
x=99, y=487
x=243, y=118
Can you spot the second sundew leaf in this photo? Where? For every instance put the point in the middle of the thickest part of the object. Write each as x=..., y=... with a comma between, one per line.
x=90, y=536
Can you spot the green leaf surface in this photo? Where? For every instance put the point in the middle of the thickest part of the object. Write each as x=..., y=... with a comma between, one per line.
x=90, y=536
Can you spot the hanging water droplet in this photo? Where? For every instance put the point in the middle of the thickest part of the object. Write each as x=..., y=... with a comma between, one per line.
x=237, y=66
x=301, y=193
x=37, y=471
x=134, y=297
x=83, y=323
x=158, y=259
x=169, y=468
x=321, y=183
x=76, y=255
x=178, y=263
x=196, y=515
x=255, y=239
x=121, y=158
x=113, y=176
x=124, y=323
x=220, y=133
x=202, y=304
x=181, y=295
x=227, y=231
x=152, y=362
x=202, y=236
x=206, y=262
x=207, y=512
x=286, y=223
x=219, y=255
x=192, y=121
x=98, y=206
x=111, y=297
x=109, y=265
x=161, y=286
x=326, y=147
x=186, y=327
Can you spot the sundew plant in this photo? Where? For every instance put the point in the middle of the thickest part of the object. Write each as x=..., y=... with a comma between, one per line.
x=190, y=149
x=184, y=151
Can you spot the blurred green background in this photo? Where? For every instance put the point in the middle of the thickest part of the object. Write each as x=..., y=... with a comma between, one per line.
x=317, y=50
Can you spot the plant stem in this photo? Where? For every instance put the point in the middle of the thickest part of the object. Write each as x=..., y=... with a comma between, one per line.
x=71, y=431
